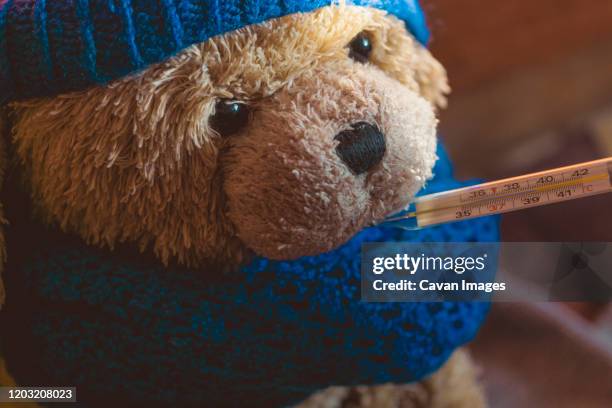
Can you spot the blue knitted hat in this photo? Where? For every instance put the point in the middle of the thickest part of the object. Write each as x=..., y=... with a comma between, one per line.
x=50, y=47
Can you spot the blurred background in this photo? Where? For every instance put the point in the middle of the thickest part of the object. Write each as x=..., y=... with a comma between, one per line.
x=532, y=90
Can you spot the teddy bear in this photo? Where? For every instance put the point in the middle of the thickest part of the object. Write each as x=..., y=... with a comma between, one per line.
x=187, y=187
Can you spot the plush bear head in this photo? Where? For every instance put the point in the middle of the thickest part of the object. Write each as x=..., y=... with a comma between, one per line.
x=281, y=139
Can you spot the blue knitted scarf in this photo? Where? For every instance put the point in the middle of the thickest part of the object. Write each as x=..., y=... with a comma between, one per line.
x=125, y=329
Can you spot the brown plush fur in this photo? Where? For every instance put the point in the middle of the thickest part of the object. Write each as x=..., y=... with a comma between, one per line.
x=453, y=386
x=290, y=195
x=136, y=160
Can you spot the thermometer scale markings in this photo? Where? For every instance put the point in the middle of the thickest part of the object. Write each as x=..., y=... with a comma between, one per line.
x=526, y=192
x=532, y=190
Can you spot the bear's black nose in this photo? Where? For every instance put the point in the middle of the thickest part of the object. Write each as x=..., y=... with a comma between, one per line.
x=361, y=147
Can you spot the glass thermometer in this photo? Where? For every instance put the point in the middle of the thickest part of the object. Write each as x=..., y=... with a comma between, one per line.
x=513, y=194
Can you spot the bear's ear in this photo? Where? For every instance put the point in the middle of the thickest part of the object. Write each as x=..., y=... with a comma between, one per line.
x=4, y=134
x=431, y=77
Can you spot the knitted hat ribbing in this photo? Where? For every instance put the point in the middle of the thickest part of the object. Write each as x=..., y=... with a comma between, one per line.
x=48, y=47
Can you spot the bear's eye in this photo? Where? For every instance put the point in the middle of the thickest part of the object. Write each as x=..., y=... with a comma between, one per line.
x=360, y=48
x=230, y=117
